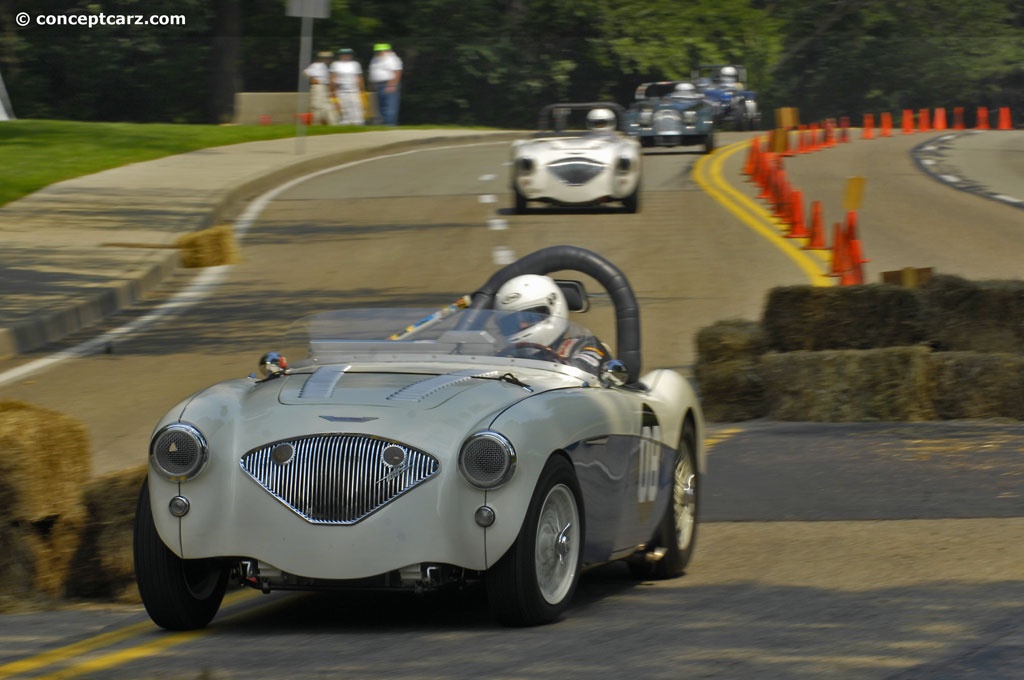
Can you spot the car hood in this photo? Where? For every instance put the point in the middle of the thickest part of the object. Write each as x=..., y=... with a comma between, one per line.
x=428, y=410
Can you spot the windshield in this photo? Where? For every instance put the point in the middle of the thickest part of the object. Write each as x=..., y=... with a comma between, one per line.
x=405, y=334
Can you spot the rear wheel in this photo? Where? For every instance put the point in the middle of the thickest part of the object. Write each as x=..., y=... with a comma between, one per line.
x=534, y=581
x=709, y=143
x=178, y=594
x=677, y=533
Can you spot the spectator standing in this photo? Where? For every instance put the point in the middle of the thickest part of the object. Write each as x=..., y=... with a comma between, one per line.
x=386, y=76
x=347, y=78
x=324, y=111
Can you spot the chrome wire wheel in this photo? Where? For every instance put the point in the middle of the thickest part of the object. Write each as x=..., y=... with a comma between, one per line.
x=684, y=501
x=556, y=553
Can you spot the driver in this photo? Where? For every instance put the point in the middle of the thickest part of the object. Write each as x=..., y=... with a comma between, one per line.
x=601, y=120
x=729, y=76
x=541, y=320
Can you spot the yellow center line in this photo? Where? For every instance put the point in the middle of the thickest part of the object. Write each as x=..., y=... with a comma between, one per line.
x=83, y=647
x=711, y=180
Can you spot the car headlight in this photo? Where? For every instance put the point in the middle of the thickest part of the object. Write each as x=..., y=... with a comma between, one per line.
x=525, y=165
x=178, y=451
x=487, y=460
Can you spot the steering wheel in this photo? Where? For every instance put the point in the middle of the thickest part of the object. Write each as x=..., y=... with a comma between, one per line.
x=543, y=351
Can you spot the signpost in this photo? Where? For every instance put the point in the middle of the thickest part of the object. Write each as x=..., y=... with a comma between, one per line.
x=307, y=10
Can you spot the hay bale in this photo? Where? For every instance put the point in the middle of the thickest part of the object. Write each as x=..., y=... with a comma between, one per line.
x=978, y=316
x=730, y=340
x=731, y=390
x=45, y=464
x=849, y=385
x=726, y=370
x=209, y=247
x=848, y=317
x=103, y=566
x=978, y=385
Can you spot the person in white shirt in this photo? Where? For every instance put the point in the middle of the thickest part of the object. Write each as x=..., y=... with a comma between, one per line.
x=324, y=112
x=386, y=77
x=347, y=79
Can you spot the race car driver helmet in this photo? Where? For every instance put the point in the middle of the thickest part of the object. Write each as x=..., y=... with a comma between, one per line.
x=540, y=313
x=684, y=89
x=601, y=119
x=728, y=75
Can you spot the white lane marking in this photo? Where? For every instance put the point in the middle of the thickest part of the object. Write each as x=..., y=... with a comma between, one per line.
x=497, y=224
x=488, y=198
x=205, y=282
x=950, y=178
x=488, y=178
x=1008, y=199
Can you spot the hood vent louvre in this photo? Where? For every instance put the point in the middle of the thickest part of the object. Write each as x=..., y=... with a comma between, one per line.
x=424, y=388
x=321, y=384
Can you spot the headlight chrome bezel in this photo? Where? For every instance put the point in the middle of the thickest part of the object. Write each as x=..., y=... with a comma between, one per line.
x=160, y=453
x=483, y=474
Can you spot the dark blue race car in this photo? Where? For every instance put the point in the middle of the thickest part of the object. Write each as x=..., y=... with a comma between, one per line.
x=723, y=85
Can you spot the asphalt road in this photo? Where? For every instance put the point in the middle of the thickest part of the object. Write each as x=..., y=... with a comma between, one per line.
x=847, y=551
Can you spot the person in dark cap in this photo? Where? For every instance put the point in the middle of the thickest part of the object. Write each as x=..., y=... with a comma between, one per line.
x=347, y=80
x=386, y=78
x=324, y=112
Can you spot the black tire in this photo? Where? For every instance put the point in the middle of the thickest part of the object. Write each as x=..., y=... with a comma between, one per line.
x=178, y=594
x=677, y=531
x=520, y=201
x=534, y=581
x=709, y=143
x=632, y=202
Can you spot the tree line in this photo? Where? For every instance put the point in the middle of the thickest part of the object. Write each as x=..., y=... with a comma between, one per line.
x=497, y=62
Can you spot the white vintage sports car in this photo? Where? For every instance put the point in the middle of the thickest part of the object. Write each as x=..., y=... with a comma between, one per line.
x=422, y=451
x=581, y=156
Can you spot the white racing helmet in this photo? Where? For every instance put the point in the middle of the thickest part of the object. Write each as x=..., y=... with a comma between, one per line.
x=601, y=119
x=541, y=313
x=685, y=89
x=728, y=74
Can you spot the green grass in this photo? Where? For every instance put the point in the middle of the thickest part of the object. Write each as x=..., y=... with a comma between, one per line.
x=37, y=153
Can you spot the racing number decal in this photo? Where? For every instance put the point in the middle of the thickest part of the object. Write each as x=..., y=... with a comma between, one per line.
x=649, y=458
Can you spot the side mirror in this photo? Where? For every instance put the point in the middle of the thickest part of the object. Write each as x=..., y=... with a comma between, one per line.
x=272, y=365
x=614, y=373
x=575, y=294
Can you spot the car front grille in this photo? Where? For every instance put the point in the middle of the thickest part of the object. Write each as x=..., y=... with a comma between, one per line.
x=576, y=171
x=667, y=123
x=338, y=478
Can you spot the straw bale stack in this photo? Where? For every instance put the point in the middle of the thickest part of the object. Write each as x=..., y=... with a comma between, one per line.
x=980, y=316
x=46, y=462
x=104, y=566
x=849, y=385
x=208, y=247
x=847, y=317
x=978, y=385
x=726, y=370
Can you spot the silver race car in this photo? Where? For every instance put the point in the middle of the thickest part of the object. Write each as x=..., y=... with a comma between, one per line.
x=580, y=156
x=495, y=442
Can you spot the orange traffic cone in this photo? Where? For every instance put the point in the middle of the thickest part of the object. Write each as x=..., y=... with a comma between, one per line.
x=886, y=124
x=940, y=120
x=798, y=229
x=844, y=129
x=922, y=121
x=854, y=273
x=1004, y=118
x=908, y=122
x=816, y=238
x=958, y=118
x=840, y=259
x=867, y=129
x=982, y=123
x=751, y=164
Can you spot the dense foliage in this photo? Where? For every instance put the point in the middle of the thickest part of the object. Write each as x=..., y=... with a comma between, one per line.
x=497, y=62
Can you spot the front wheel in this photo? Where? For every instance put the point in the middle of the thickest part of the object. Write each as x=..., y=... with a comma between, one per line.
x=632, y=202
x=534, y=581
x=520, y=201
x=677, y=532
x=178, y=594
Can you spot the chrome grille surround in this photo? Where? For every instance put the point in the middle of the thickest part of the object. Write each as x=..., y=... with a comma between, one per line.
x=338, y=478
x=667, y=123
x=576, y=171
